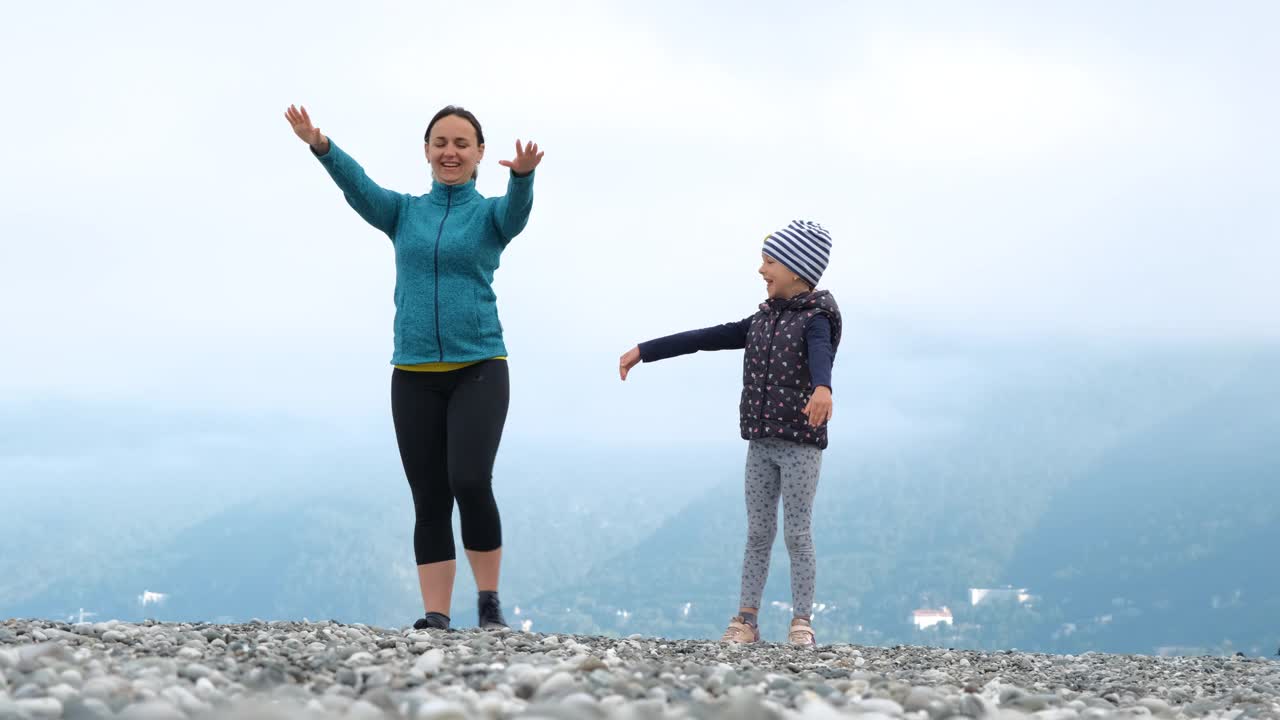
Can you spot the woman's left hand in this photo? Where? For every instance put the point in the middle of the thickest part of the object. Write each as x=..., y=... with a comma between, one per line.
x=527, y=159
x=819, y=408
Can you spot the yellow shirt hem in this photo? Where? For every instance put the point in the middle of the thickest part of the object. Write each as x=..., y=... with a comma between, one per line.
x=444, y=366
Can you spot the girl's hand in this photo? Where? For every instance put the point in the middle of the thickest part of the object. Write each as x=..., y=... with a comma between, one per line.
x=628, y=360
x=303, y=128
x=526, y=159
x=819, y=408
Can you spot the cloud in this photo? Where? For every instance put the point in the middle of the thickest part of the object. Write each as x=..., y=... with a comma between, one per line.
x=163, y=224
x=930, y=101
x=579, y=68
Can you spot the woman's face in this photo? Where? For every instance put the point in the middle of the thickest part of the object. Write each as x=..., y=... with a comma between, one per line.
x=452, y=150
x=779, y=281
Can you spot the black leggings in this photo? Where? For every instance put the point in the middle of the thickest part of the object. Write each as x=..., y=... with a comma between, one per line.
x=448, y=426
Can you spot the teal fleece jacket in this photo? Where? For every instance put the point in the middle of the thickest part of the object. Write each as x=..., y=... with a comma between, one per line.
x=447, y=246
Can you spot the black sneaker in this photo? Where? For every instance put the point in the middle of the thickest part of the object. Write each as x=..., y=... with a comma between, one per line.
x=490, y=611
x=432, y=621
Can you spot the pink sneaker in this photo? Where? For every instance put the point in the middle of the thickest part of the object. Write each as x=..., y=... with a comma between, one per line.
x=801, y=633
x=740, y=632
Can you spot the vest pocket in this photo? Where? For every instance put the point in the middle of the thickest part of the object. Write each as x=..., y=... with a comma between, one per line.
x=784, y=405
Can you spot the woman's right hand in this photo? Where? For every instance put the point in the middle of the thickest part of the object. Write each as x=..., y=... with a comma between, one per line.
x=629, y=359
x=302, y=127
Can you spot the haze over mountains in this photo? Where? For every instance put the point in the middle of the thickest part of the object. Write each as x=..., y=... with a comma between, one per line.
x=1131, y=490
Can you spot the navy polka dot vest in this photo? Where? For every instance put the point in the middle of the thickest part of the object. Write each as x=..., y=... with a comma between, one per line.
x=775, y=369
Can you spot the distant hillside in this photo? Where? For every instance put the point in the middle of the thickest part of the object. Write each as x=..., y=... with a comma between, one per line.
x=336, y=544
x=1167, y=540
x=1132, y=491
x=1060, y=468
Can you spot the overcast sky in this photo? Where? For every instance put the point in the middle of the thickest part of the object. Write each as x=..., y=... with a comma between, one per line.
x=1084, y=169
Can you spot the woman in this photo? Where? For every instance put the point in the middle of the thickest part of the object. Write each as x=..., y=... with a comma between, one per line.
x=449, y=387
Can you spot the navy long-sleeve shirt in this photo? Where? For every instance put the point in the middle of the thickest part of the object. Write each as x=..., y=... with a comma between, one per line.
x=733, y=336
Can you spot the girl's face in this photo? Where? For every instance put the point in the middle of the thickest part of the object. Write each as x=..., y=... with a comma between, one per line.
x=780, y=282
x=452, y=150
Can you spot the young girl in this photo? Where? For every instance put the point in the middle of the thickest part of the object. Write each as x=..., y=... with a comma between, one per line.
x=450, y=387
x=786, y=402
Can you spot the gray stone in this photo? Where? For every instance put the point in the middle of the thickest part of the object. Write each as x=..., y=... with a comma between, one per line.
x=1157, y=706
x=591, y=663
x=45, y=707
x=63, y=692
x=441, y=710
x=103, y=687
x=1203, y=706
x=362, y=710
x=883, y=706
x=194, y=671
x=152, y=710
x=28, y=691
x=973, y=706
x=919, y=698
x=1032, y=703
x=555, y=686
x=31, y=657
x=376, y=678
x=184, y=700
x=86, y=709
x=360, y=658
x=781, y=684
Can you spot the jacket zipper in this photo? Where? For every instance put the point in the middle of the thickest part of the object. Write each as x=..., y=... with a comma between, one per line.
x=436, y=270
x=768, y=360
x=768, y=353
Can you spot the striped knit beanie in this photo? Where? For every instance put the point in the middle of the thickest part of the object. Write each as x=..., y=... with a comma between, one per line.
x=803, y=246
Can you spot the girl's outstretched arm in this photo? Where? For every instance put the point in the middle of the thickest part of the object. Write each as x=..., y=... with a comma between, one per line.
x=729, y=336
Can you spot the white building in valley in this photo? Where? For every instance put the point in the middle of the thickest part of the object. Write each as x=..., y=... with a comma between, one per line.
x=152, y=598
x=926, y=618
x=1009, y=594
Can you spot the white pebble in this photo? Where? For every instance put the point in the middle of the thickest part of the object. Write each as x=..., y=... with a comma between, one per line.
x=63, y=692
x=878, y=705
x=364, y=710
x=360, y=658
x=335, y=703
x=558, y=684
x=817, y=709
x=429, y=662
x=441, y=710
x=103, y=686
x=205, y=689
x=184, y=700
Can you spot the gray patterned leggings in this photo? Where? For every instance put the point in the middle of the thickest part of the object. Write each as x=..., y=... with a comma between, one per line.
x=780, y=467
